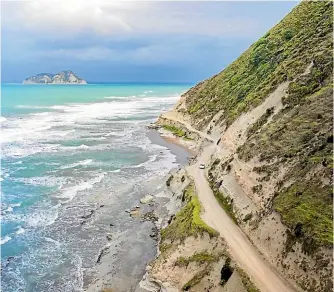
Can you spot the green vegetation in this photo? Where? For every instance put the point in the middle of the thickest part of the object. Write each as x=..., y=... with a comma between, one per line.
x=246, y=281
x=188, y=221
x=300, y=139
x=302, y=37
x=260, y=122
x=207, y=259
x=163, y=247
x=226, y=165
x=197, y=278
x=216, y=162
x=224, y=202
x=203, y=258
x=257, y=188
x=177, y=131
x=248, y=217
x=200, y=258
x=307, y=209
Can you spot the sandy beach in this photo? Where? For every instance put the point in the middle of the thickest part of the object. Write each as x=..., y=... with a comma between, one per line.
x=182, y=149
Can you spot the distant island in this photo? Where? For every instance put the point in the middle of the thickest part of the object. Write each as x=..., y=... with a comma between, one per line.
x=63, y=77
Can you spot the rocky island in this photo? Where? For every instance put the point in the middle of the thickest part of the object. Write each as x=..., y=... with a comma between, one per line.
x=63, y=77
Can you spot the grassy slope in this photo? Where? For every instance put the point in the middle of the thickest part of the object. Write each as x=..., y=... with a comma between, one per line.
x=286, y=50
x=188, y=221
x=176, y=131
x=300, y=136
x=300, y=139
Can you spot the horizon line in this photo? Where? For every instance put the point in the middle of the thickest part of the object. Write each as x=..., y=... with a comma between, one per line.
x=104, y=82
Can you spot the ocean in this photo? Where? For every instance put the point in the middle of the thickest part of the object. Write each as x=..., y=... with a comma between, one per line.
x=74, y=159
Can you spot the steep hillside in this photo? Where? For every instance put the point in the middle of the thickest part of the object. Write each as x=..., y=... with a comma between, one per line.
x=270, y=115
x=304, y=36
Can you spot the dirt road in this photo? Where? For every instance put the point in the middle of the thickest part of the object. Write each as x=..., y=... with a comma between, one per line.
x=241, y=249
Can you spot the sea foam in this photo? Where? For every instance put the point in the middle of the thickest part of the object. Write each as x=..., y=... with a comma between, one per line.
x=5, y=239
x=70, y=192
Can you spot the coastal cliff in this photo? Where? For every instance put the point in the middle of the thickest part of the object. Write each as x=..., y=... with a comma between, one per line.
x=263, y=127
x=63, y=77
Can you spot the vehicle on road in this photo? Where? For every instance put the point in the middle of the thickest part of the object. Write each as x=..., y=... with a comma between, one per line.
x=201, y=166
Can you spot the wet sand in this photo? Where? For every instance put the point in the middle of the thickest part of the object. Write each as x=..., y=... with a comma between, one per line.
x=176, y=141
x=182, y=152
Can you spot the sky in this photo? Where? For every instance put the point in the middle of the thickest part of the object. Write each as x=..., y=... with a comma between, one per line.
x=109, y=41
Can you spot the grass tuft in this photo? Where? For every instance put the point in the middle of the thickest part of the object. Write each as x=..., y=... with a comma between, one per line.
x=307, y=210
x=200, y=258
x=176, y=131
x=197, y=278
x=246, y=281
x=224, y=202
x=188, y=221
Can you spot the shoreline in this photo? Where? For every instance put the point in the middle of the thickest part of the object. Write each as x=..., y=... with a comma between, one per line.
x=173, y=143
x=189, y=146
x=176, y=140
x=151, y=216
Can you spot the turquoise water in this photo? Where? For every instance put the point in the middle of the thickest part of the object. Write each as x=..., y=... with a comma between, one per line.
x=67, y=150
x=19, y=99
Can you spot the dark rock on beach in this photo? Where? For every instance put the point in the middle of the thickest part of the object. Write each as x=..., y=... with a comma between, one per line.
x=150, y=216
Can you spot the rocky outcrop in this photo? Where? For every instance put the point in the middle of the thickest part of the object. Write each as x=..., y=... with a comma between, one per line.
x=191, y=256
x=63, y=77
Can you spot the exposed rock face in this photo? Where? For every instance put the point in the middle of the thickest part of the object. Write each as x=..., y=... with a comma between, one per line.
x=199, y=261
x=63, y=77
x=270, y=116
